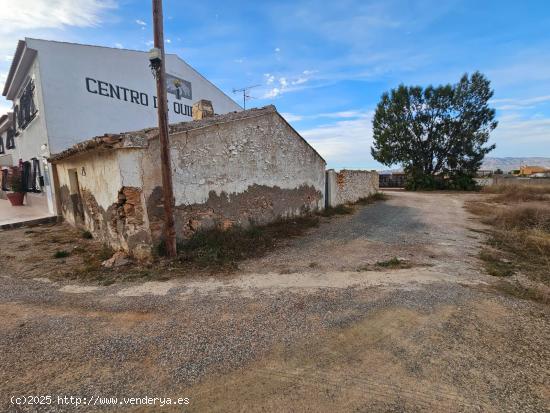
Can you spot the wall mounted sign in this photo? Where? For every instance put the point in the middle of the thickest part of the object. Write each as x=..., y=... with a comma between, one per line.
x=179, y=88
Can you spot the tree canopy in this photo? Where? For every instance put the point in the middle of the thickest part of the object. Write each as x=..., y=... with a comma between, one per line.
x=439, y=134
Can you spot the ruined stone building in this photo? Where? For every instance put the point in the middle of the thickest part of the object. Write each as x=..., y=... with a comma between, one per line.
x=233, y=169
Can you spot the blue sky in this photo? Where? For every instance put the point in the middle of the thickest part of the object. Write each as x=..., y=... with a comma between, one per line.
x=325, y=64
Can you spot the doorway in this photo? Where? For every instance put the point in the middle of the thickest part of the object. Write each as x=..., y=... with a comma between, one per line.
x=76, y=198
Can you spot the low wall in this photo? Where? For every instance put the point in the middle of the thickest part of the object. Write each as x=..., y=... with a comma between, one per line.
x=514, y=180
x=348, y=186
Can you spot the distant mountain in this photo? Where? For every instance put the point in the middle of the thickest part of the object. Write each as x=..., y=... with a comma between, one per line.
x=505, y=164
x=508, y=164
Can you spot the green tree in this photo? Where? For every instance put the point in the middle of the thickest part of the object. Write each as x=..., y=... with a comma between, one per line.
x=439, y=134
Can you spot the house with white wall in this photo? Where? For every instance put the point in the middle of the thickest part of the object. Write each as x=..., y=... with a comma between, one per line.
x=64, y=93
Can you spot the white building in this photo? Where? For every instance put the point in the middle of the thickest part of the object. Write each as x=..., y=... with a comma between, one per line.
x=64, y=93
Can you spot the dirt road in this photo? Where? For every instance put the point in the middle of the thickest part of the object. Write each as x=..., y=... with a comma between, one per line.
x=314, y=326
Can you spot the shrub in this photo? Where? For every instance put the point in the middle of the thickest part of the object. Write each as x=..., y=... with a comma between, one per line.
x=61, y=254
x=16, y=183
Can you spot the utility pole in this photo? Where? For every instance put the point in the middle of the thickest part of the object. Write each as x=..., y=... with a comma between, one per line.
x=159, y=69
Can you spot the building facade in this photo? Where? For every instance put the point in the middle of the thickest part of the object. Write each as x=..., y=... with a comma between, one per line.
x=64, y=93
x=242, y=168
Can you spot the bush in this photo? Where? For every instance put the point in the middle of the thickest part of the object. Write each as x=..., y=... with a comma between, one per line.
x=456, y=181
x=16, y=183
x=61, y=254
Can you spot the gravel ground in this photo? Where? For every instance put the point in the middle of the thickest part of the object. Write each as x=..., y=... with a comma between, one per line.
x=235, y=344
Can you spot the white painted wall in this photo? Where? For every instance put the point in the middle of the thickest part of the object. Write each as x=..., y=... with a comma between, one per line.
x=74, y=114
x=231, y=158
x=29, y=141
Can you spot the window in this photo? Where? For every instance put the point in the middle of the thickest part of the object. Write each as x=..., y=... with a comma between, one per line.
x=2, y=150
x=10, y=141
x=26, y=110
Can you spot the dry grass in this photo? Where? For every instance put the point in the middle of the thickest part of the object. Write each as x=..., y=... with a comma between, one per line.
x=337, y=210
x=518, y=193
x=520, y=237
x=521, y=217
x=377, y=196
x=222, y=250
x=391, y=264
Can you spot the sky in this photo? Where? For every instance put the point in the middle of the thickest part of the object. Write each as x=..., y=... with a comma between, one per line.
x=325, y=64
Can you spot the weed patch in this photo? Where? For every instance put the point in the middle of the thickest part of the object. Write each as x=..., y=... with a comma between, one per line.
x=515, y=289
x=61, y=254
x=377, y=196
x=496, y=266
x=215, y=248
x=337, y=210
x=393, y=264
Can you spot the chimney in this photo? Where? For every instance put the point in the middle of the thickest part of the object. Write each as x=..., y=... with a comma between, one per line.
x=203, y=109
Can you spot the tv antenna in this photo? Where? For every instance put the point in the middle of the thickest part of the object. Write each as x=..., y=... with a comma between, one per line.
x=245, y=91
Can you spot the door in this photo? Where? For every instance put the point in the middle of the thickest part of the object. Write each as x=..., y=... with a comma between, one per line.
x=76, y=198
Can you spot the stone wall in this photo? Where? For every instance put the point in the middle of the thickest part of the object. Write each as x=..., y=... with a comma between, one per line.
x=236, y=172
x=348, y=186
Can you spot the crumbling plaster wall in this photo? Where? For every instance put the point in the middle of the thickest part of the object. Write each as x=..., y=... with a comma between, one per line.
x=254, y=170
x=110, y=196
x=348, y=186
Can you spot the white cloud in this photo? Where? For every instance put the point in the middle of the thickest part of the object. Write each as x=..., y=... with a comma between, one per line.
x=518, y=104
x=272, y=93
x=119, y=45
x=523, y=133
x=286, y=84
x=141, y=22
x=344, y=142
x=291, y=117
x=50, y=14
x=168, y=41
x=277, y=50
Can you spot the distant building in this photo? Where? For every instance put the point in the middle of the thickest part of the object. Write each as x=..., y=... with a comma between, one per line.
x=392, y=180
x=63, y=93
x=530, y=170
x=7, y=140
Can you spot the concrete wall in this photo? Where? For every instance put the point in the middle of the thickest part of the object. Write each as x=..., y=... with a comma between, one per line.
x=348, y=186
x=512, y=180
x=253, y=170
